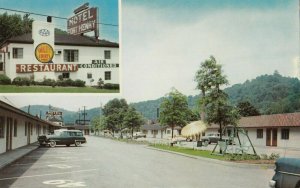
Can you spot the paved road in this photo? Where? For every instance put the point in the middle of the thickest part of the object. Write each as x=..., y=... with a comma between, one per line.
x=106, y=163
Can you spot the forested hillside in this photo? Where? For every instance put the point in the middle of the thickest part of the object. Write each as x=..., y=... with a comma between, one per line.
x=270, y=94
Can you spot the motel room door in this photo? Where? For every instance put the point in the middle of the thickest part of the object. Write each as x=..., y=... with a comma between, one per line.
x=271, y=139
x=9, y=127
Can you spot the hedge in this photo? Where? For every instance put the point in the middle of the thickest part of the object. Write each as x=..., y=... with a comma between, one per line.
x=4, y=80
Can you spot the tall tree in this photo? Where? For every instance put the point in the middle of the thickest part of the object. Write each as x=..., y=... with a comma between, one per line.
x=132, y=120
x=208, y=76
x=114, y=113
x=14, y=25
x=245, y=109
x=174, y=110
x=215, y=100
x=98, y=123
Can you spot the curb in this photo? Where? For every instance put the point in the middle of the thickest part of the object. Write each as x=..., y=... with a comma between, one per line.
x=30, y=148
x=215, y=161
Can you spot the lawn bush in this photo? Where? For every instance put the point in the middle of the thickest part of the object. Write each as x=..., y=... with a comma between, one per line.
x=4, y=80
x=21, y=81
x=111, y=86
x=79, y=83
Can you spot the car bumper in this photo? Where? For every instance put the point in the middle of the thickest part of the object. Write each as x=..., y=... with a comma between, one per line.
x=272, y=183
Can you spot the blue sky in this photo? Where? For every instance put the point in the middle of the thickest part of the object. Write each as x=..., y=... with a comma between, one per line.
x=64, y=8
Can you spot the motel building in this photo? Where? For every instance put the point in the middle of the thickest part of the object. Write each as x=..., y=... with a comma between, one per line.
x=44, y=54
x=18, y=128
x=276, y=130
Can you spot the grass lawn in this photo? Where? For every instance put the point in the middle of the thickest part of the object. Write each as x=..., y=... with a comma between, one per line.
x=49, y=89
x=189, y=151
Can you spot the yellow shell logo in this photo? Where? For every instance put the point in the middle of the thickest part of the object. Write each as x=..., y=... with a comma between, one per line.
x=44, y=53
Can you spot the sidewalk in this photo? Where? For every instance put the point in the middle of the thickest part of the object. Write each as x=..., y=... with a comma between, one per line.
x=11, y=156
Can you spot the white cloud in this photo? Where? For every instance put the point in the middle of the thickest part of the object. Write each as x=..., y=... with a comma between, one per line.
x=159, y=54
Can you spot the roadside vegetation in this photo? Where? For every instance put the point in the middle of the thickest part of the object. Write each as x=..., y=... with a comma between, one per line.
x=248, y=158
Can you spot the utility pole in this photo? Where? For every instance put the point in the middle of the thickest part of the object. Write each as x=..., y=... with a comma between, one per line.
x=84, y=114
x=79, y=116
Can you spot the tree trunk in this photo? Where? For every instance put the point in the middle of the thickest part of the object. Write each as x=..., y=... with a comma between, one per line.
x=131, y=133
x=202, y=111
x=172, y=135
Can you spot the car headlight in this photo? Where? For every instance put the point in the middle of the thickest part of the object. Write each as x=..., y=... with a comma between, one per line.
x=272, y=183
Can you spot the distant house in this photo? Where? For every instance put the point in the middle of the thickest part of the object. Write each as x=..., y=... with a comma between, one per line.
x=157, y=131
x=277, y=130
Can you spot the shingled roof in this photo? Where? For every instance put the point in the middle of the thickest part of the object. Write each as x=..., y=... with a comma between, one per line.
x=65, y=39
x=274, y=120
x=265, y=121
x=152, y=127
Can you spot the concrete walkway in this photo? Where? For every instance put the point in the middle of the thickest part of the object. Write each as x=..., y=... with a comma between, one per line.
x=11, y=156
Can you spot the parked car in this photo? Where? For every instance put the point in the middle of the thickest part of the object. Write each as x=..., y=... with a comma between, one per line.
x=214, y=138
x=139, y=135
x=62, y=137
x=287, y=173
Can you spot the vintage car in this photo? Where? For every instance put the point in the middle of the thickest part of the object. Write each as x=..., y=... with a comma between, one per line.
x=214, y=138
x=139, y=135
x=62, y=137
x=287, y=173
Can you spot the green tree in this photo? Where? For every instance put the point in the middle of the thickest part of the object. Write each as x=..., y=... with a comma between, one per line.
x=132, y=120
x=98, y=123
x=208, y=76
x=174, y=110
x=215, y=101
x=114, y=112
x=14, y=25
x=245, y=108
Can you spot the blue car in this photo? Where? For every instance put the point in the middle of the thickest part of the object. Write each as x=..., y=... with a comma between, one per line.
x=287, y=173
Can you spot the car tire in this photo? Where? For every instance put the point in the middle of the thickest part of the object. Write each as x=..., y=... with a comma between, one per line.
x=52, y=143
x=68, y=145
x=77, y=143
x=298, y=185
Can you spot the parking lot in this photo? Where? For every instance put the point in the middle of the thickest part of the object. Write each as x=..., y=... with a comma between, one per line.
x=107, y=163
x=49, y=167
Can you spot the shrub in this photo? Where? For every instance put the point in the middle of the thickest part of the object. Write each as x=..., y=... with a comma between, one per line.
x=79, y=83
x=60, y=77
x=48, y=82
x=111, y=86
x=4, y=80
x=274, y=156
x=20, y=81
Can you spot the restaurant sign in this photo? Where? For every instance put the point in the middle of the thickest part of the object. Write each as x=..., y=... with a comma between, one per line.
x=24, y=68
x=83, y=21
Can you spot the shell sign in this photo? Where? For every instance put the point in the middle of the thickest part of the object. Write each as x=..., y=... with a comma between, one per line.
x=44, y=53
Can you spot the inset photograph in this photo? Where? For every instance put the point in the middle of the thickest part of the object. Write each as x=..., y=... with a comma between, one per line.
x=65, y=47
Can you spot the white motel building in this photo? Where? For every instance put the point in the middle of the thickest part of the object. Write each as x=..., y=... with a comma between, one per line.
x=72, y=56
x=18, y=128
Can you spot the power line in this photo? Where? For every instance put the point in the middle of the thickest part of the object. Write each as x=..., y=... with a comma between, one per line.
x=58, y=17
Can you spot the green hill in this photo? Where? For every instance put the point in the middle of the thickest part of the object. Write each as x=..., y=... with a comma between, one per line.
x=270, y=94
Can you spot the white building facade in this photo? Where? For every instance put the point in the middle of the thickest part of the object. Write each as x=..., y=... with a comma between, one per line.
x=18, y=128
x=43, y=54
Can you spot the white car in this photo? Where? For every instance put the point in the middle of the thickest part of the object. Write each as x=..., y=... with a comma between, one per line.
x=139, y=135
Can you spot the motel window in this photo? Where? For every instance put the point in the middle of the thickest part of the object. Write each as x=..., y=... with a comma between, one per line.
x=44, y=130
x=107, y=75
x=1, y=66
x=0, y=57
x=66, y=75
x=1, y=127
x=71, y=55
x=89, y=75
x=259, y=133
x=285, y=134
x=8, y=55
x=17, y=53
x=15, y=128
x=168, y=131
x=107, y=54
